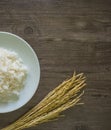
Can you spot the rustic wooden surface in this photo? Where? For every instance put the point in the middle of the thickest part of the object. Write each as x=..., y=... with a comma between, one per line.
x=67, y=35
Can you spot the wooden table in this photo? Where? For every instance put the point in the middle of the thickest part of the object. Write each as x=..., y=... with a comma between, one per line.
x=67, y=35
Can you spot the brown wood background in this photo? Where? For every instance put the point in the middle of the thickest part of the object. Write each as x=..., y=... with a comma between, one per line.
x=67, y=35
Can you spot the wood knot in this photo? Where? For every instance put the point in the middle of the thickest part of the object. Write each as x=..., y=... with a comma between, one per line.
x=28, y=30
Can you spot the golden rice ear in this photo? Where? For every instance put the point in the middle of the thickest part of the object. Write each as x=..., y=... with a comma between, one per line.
x=64, y=96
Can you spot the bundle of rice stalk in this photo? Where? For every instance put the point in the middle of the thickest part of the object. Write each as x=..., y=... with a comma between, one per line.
x=66, y=95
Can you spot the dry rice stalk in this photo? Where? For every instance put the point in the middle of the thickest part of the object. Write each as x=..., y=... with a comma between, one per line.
x=61, y=98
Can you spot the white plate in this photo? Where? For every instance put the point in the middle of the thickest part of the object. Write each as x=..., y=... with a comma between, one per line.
x=15, y=43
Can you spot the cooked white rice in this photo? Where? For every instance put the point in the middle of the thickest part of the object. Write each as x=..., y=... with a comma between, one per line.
x=12, y=75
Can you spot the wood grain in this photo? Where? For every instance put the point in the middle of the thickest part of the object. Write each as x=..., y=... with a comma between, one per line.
x=67, y=35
